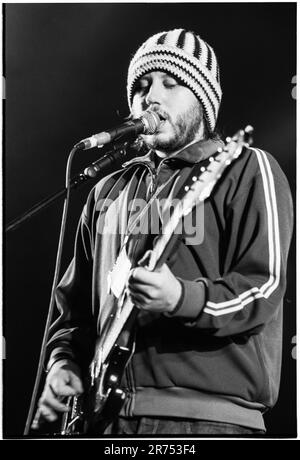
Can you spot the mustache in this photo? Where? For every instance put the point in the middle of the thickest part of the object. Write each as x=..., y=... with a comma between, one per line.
x=161, y=113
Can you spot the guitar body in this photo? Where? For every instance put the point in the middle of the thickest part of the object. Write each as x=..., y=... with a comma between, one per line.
x=92, y=412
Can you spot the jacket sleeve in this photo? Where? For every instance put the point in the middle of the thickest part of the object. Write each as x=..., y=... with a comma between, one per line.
x=72, y=335
x=249, y=294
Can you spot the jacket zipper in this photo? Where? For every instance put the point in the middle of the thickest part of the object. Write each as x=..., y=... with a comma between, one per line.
x=154, y=175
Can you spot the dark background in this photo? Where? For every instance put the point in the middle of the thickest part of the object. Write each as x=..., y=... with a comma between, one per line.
x=65, y=68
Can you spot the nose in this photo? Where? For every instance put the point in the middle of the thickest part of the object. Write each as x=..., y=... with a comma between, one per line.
x=154, y=95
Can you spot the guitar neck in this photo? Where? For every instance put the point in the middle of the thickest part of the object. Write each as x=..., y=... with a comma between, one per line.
x=107, y=341
x=201, y=189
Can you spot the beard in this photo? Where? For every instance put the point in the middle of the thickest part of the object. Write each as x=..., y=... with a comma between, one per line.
x=183, y=131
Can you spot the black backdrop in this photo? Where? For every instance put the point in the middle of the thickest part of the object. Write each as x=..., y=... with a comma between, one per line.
x=65, y=68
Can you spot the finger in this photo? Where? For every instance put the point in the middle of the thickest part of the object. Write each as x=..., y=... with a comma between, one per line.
x=53, y=401
x=53, y=391
x=137, y=304
x=139, y=298
x=140, y=302
x=144, y=277
x=47, y=414
x=37, y=421
x=137, y=284
x=76, y=383
x=55, y=404
x=142, y=290
x=62, y=388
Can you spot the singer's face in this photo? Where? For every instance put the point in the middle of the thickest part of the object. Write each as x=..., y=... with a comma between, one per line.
x=179, y=110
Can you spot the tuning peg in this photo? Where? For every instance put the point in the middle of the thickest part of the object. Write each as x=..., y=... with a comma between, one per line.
x=249, y=129
x=227, y=162
x=186, y=188
x=248, y=134
x=202, y=169
x=194, y=179
x=220, y=150
x=211, y=159
x=228, y=139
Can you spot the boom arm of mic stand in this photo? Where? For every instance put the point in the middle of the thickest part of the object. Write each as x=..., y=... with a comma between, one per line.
x=39, y=206
x=89, y=173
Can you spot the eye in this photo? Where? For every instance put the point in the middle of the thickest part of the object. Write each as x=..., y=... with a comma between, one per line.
x=170, y=82
x=142, y=86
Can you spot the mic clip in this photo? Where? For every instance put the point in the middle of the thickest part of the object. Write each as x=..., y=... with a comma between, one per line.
x=117, y=153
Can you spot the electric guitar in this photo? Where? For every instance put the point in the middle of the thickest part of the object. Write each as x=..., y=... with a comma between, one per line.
x=103, y=399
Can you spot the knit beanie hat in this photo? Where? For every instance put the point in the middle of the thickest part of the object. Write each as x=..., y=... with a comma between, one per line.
x=188, y=58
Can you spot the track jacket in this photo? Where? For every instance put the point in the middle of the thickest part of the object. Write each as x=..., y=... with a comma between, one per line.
x=218, y=356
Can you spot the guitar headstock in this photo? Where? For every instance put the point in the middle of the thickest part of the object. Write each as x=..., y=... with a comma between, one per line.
x=234, y=145
x=202, y=185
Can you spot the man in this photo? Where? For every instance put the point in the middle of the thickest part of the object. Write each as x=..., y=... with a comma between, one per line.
x=207, y=339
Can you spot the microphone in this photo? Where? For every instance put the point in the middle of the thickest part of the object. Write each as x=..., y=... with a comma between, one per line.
x=148, y=123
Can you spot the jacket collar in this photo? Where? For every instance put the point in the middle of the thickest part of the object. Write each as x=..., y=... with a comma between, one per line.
x=192, y=154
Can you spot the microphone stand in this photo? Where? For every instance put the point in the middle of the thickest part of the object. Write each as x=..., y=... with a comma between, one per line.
x=91, y=171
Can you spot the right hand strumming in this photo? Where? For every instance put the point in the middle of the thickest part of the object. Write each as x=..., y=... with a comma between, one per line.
x=62, y=380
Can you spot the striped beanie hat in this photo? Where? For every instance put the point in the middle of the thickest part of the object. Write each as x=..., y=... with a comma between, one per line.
x=188, y=58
